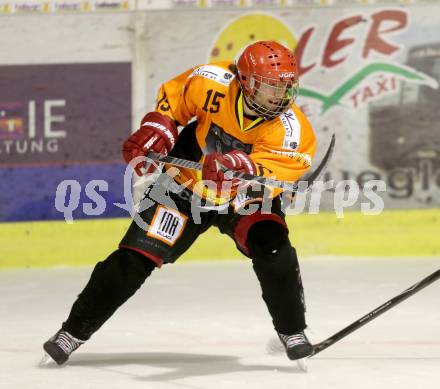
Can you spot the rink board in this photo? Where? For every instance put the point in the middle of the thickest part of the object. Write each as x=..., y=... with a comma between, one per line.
x=391, y=234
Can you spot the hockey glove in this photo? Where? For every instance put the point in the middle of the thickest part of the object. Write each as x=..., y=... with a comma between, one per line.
x=157, y=133
x=215, y=164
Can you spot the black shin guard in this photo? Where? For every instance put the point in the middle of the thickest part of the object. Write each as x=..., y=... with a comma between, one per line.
x=276, y=266
x=112, y=282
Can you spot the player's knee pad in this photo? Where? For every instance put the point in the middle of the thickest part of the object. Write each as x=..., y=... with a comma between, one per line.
x=265, y=238
x=269, y=246
x=123, y=272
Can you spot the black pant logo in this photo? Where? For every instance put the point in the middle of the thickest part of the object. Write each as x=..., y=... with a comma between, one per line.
x=168, y=224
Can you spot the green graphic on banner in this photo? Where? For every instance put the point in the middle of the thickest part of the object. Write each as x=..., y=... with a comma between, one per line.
x=329, y=101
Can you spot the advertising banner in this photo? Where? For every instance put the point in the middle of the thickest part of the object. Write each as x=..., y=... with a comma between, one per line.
x=57, y=122
x=368, y=74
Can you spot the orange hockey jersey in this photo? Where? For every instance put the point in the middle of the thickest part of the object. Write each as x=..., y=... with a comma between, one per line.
x=281, y=148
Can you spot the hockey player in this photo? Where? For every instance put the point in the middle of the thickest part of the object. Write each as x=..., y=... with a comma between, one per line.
x=246, y=120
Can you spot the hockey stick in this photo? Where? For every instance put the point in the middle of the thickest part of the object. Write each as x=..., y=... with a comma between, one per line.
x=317, y=348
x=286, y=185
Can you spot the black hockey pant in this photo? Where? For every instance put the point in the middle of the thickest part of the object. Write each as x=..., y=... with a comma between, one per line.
x=118, y=277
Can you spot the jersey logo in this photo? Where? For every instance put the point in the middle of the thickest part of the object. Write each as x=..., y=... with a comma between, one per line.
x=292, y=130
x=214, y=73
x=167, y=225
x=217, y=140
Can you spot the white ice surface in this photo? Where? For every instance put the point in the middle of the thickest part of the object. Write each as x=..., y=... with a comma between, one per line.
x=204, y=325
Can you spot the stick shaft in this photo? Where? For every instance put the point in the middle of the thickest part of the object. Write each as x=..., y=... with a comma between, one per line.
x=286, y=185
x=376, y=312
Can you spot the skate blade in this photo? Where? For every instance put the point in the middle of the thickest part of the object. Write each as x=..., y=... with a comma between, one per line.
x=46, y=361
x=302, y=364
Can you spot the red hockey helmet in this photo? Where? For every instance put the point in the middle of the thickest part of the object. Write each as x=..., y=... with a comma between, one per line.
x=268, y=75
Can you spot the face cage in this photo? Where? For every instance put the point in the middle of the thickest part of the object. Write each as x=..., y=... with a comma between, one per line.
x=271, y=89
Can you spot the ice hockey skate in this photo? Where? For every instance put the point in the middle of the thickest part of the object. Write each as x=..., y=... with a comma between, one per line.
x=59, y=347
x=297, y=346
